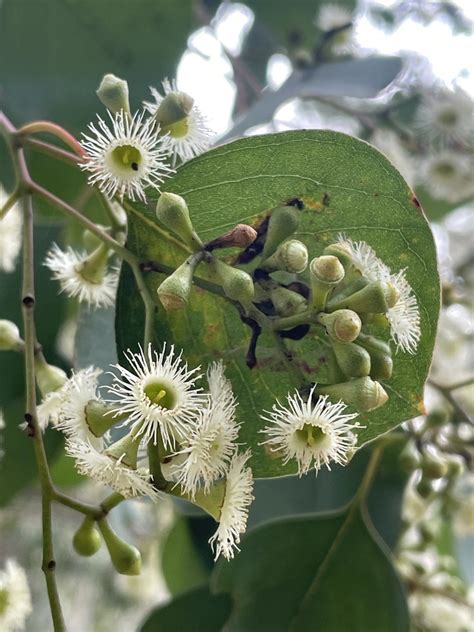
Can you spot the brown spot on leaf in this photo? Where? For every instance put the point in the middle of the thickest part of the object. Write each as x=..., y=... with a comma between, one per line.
x=415, y=201
x=421, y=407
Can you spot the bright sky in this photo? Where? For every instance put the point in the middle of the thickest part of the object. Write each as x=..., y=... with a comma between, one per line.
x=206, y=72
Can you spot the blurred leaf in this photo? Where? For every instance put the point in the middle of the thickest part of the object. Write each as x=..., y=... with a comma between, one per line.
x=195, y=611
x=94, y=343
x=347, y=186
x=63, y=471
x=18, y=465
x=328, y=573
x=361, y=78
x=436, y=209
x=331, y=490
x=66, y=46
x=182, y=567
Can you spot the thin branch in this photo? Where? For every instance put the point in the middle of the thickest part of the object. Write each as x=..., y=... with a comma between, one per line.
x=51, y=150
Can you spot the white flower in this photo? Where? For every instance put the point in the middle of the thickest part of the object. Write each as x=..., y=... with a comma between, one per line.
x=447, y=175
x=15, y=597
x=80, y=390
x=193, y=135
x=10, y=234
x=439, y=613
x=446, y=115
x=68, y=268
x=404, y=317
x=313, y=435
x=108, y=470
x=158, y=395
x=234, y=513
x=210, y=443
x=128, y=158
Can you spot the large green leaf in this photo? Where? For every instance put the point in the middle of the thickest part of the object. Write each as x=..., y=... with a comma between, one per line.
x=329, y=573
x=346, y=186
x=66, y=46
x=195, y=611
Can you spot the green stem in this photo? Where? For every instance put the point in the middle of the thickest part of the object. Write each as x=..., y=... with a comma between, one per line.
x=446, y=392
x=28, y=303
x=51, y=150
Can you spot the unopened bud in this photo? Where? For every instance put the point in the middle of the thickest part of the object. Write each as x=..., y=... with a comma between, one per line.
x=286, y=302
x=240, y=236
x=283, y=222
x=362, y=393
x=376, y=297
x=380, y=356
x=343, y=325
x=173, y=109
x=353, y=360
x=437, y=418
x=326, y=269
x=237, y=284
x=87, y=540
x=48, y=377
x=456, y=465
x=433, y=466
x=10, y=339
x=409, y=457
x=172, y=211
x=342, y=251
x=125, y=557
x=424, y=488
x=113, y=93
x=175, y=290
x=291, y=256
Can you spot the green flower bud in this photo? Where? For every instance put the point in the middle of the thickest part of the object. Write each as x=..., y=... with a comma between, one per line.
x=284, y=221
x=173, y=109
x=325, y=272
x=353, y=360
x=48, y=377
x=10, y=339
x=437, y=418
x=376, y=297
x=113, y=93
x=125, y=557
x=290, y=256
x=125, y=449
x=433, y=466
x=424, y=488
x=347, y=290
x=429, y=531
x=237, y=284
x=362, y=393
x=211, y=502
x=286, y=302
x=98, y=417
x=380, y=356
x=86, y=540
x=175, y=290
x=456, y=465
x=409, y=457
x=94, y=267
x=342, y=251
x=343, y=325
x=91, y=241
x=172, y=211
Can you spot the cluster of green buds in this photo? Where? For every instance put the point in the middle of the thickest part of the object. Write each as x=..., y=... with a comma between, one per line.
x=274, y=288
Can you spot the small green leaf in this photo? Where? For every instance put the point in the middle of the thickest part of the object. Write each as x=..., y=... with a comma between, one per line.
x=303, y=574
x=195, y=611
x=347, y=186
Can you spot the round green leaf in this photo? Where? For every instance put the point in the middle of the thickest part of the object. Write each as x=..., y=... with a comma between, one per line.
x=347, y=186
x=302, y=574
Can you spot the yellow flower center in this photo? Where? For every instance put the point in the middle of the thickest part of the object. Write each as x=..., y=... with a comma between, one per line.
x=128, y=157
x=311, y=435
x=160, y=394
x=448, y=118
